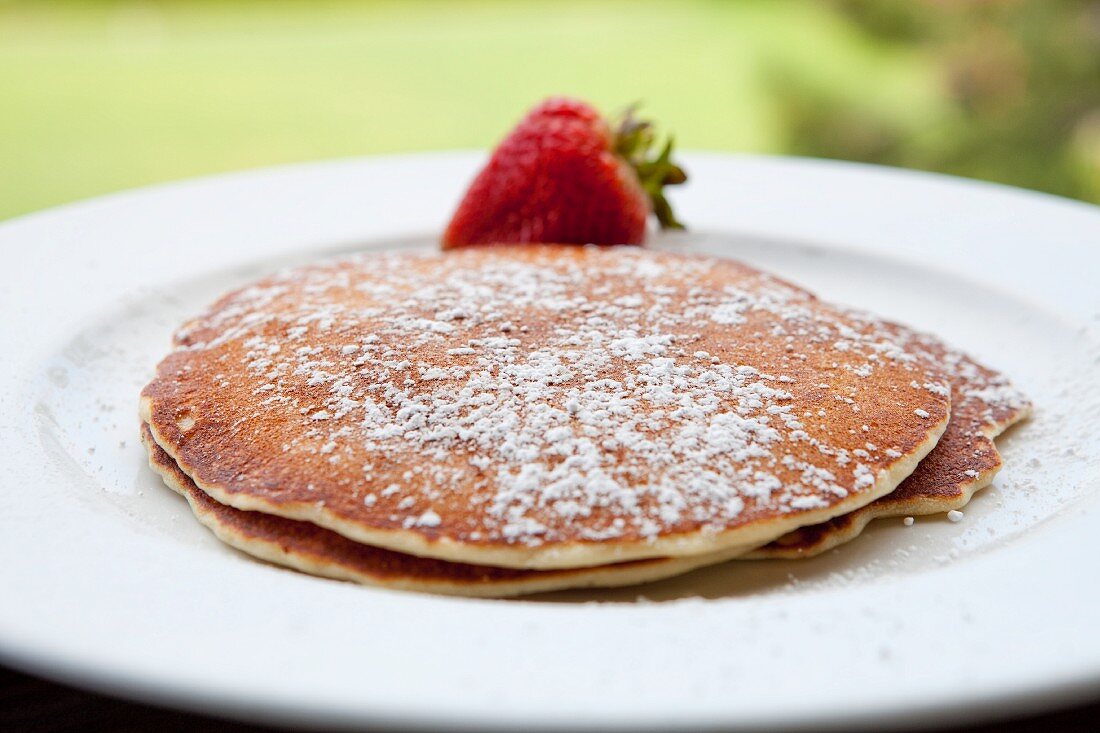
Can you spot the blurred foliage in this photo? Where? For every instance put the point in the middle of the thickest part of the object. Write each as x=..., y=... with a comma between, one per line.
x=101, y=95
x=1020, y=81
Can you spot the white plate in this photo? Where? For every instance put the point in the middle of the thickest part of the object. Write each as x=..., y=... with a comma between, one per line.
x=108, y=582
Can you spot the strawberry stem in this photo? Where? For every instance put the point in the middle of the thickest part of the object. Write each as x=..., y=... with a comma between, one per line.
x=634, y=140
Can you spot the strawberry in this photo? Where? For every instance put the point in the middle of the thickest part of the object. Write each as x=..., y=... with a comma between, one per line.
x=565, y=175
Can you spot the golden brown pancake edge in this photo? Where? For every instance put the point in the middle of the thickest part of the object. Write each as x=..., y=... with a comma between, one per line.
x=317, y=551
x=964, y=461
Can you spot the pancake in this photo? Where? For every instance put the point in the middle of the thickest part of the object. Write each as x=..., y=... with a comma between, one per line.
x=984, y=404
x=318, y=551
x=541, y=406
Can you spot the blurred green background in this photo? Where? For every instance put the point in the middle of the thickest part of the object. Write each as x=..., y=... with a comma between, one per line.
x=99, y=96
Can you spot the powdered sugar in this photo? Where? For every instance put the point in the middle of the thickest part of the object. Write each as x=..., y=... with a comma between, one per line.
x=616, y=394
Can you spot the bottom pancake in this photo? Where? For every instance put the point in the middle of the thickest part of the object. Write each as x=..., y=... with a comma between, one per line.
x=318, y=551
x=984, y=404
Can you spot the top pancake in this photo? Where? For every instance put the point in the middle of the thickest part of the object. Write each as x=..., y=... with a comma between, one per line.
x=541, y=406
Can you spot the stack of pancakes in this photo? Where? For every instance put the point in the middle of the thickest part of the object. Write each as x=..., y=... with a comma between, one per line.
x=506, y=420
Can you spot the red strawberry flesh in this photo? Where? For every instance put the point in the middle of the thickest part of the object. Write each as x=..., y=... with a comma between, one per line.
x=558, y=177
